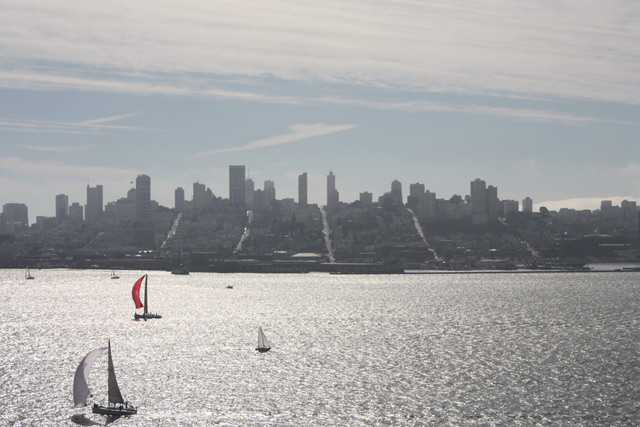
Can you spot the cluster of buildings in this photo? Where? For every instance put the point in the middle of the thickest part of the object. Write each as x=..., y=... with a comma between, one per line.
x=417, y=229
x=138, y=204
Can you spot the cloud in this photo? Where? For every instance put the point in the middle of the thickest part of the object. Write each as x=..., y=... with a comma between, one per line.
x=91, y=127
x=43, y=170
x=558, y=50
x=108, y=119
x=299, y=132
x=63, y=148
x=632, y=169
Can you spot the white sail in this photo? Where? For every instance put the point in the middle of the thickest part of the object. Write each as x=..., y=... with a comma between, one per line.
x=262, y=339
x=114, y=391
x=81, y=390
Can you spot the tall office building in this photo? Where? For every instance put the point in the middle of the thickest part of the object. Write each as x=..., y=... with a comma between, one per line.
x=302, y=189
x=396, y=192
x=143, y=196
x=430, y=204
x=366, y=199
x=527, y=205
x=269, y=191
x=236, y=185
x=249, y=191
x=493, y=203
x=479, y=201
x=16, y=213
x=333, y=197
x=76, y=212
x=62, y=206
x=199, y=195
x=179, y=199
x=94, y=207
x=415, y=198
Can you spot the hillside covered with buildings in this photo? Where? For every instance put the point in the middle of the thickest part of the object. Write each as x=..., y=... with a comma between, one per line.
x=253, y=230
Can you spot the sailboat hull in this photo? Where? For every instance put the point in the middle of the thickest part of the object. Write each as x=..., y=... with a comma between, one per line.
x=263, y=349
x=146, y=316
x=114, y=410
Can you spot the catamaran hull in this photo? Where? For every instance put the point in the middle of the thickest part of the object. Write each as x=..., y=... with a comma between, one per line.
x=114, y=411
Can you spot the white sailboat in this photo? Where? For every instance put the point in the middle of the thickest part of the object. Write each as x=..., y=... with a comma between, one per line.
x=27, y=275
x=263, y=343
x=114, y=275
x=117, y=406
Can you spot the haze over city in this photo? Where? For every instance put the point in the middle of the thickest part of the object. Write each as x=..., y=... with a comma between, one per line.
x=539, y=99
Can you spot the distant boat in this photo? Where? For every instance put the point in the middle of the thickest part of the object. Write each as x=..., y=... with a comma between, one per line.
x=114, y=275
x=136, y=299
x=229, y=286
x=263, y=344
x=27, y=275
x=117, y=406
x=180, y=270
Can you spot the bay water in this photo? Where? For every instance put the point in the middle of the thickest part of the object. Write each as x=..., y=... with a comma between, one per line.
x=347, y=350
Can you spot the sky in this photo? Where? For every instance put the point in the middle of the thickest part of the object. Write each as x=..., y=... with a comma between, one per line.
x=540, y=99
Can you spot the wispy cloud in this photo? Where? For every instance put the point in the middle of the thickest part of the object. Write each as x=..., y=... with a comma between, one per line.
x=108, y=119
x=299, y=132
x=558, y=50
x=631, y=168
x=43, y=170
x=61, y=148
x=93, y=127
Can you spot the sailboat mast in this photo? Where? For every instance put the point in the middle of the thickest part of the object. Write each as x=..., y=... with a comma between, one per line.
x=146, y=301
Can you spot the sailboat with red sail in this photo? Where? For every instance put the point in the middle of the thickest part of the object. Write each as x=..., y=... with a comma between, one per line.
x=135, y=292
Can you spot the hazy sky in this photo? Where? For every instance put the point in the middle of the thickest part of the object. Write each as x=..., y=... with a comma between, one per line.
x=538, y=98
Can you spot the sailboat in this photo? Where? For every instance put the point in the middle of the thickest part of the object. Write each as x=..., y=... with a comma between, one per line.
x=114, y=275
x=117, y=406
x=135, y=292
x=27, y=275
x=263, y=344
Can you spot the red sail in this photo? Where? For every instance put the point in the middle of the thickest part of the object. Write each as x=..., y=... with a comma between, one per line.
x=135, y=292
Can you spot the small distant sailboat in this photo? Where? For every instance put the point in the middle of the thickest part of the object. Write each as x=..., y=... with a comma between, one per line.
x=117, y=406
x=114, y=275
x=263, y=344
x=27, y=275
x=135, y=292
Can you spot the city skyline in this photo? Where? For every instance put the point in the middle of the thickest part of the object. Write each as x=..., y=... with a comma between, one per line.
x=538, y=99
x=95, y=206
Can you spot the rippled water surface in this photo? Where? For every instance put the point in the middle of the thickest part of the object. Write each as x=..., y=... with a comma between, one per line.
x=413, y=349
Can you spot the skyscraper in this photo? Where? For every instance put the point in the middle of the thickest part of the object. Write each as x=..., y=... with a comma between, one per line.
x=179, y=200
x=15, y=213
x=76, y=212
x=493, y=203
x=269, y=191
x=527, y=205
x=236, y=185
x=333, y=197
x=366, y=199
x=94, y=208
x=143, y=196
x=199, y=195
x=62, y=206
x=396, y=192
x=302, y=189
x=249, y=189
x=479, y=201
